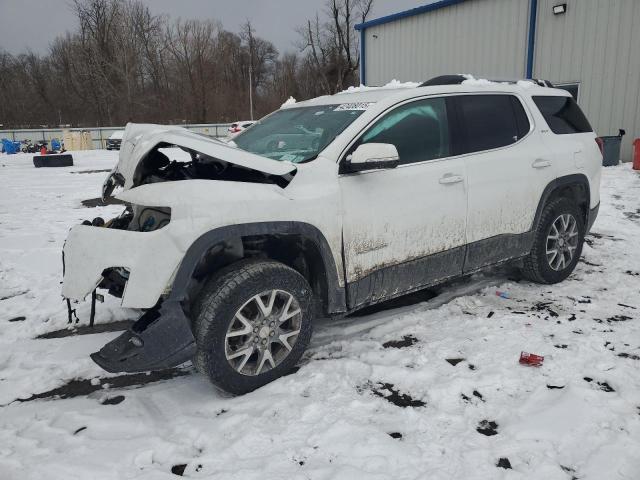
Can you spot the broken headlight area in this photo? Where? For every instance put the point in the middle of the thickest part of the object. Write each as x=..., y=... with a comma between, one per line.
x=137, y=218
x=114, y=280
x=148, y=219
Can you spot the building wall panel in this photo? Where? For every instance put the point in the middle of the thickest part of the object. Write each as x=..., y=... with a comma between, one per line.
x=483, y=37
x=596, y=43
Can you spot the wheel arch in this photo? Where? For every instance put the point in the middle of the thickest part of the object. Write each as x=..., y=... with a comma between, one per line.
x=299, y=245
x=574, y=186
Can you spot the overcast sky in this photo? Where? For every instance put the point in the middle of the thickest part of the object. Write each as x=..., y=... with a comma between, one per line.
x=35, y=23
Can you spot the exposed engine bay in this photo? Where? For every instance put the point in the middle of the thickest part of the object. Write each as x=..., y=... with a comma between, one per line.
x=168, y=163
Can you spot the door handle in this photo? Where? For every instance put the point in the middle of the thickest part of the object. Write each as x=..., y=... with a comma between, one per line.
x=449, y=178
x=541, y=163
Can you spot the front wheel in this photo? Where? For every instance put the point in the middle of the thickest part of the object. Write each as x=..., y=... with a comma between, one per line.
x=253, y=323
x=557, y=243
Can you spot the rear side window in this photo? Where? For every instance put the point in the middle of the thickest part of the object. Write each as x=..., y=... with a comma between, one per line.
x=490, y=121
x=563, y=115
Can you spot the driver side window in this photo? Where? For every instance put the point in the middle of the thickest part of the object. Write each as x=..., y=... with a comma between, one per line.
x=419, y=130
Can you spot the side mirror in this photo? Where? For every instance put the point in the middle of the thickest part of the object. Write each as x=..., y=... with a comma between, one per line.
x=371, y=156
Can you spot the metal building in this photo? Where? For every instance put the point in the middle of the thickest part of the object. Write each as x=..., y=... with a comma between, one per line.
x=589, y=47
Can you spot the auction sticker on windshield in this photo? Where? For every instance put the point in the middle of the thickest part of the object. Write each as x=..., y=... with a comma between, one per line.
x=353, y=106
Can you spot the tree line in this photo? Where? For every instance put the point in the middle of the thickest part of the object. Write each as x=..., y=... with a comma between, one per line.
x=122, y=63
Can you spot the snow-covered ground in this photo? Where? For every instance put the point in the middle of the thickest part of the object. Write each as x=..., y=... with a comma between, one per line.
x=358, y=407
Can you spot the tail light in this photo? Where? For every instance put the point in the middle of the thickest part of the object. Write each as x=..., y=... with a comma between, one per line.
x=600, y=145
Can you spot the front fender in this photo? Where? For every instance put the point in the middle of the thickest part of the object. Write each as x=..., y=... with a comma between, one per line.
x=336, y=302
x=163, y=338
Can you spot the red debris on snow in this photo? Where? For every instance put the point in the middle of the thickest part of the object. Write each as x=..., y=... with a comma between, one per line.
x=531, y=359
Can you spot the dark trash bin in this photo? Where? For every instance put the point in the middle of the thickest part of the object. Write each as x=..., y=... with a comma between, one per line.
x=611, y=149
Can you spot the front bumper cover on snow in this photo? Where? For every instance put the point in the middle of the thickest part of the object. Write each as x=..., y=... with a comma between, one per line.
x=161, y=338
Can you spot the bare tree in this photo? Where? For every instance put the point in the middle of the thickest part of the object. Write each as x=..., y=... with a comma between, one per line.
x=332, y=45
x=122, y=63
x=192, y=43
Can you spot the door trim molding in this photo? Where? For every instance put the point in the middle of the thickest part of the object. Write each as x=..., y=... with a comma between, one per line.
x=497, y=249
x=392, y=281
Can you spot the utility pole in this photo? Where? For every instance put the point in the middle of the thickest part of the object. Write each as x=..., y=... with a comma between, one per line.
x=250, y=35
x=250, y=90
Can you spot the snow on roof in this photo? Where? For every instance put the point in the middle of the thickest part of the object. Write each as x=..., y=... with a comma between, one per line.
x=368, y=94
x=392, y=85
x=361, y=93
x=483, y=82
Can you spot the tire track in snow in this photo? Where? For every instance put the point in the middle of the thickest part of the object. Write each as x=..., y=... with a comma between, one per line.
x=82, y=387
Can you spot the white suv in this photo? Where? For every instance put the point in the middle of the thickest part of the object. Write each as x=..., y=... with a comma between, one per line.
x=327, y=206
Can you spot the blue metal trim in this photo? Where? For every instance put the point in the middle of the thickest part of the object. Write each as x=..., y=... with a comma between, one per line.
x=363, y=71
x=531, y=45
x=408, y=13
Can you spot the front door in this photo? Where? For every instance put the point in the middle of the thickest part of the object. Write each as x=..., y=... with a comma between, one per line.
x=404, y=228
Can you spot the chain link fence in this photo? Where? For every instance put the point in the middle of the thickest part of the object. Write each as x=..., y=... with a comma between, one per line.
x=99, y=135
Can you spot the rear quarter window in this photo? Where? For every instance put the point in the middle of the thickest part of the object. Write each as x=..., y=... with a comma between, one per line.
x=562, y=114
x=490, y=121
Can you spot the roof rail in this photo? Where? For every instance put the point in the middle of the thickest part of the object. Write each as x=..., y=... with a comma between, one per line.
x=458, y=79
x=444, y=80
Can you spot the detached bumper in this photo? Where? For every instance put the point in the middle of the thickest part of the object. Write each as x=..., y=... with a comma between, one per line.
x=161, y=338
x=150, y=257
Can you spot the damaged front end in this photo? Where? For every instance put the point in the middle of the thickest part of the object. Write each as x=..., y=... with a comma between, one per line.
x=135, y=256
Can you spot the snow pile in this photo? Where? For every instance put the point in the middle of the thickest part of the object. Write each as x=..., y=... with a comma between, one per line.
x=477, y=82
x=393, y=84
x=483, y=82
x=525, y=84
x=429, y=389
x=289, y=101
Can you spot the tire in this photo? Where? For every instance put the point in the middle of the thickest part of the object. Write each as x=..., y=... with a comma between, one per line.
x=541, y=267
x=56, y=160
x=242, y=291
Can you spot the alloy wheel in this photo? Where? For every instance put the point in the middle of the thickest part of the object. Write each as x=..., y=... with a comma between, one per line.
x=263, y=332
x=562, y=241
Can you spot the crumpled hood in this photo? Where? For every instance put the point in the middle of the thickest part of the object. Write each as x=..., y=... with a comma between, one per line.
x=139, y=139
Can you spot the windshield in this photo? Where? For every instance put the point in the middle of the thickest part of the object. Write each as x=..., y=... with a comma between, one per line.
x=298, y=134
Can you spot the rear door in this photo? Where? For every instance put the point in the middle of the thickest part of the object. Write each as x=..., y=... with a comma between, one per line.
x=571, y=138
x=508, y=167
x=404, y=228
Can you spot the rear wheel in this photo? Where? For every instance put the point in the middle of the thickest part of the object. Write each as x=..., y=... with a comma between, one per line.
x=253, y=323
x=557, y=244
